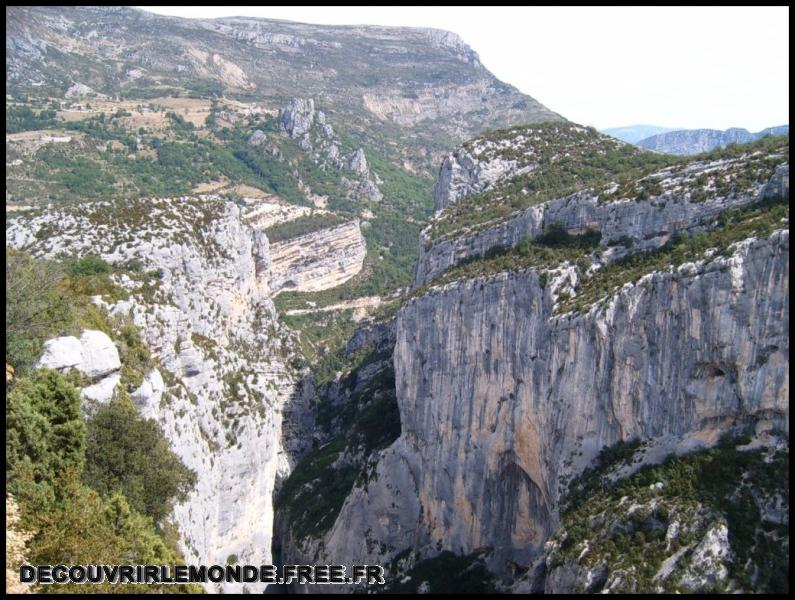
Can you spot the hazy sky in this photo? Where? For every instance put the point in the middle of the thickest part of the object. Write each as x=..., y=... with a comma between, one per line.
x=675, y=67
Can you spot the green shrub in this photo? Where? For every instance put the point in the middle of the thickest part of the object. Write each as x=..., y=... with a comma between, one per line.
x=36, y=308
x=22, y=118
x=87, y=265
x=130, y=454
x=45, y=432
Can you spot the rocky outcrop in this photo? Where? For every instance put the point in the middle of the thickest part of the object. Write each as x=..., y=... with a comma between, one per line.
x=693, y=141
x=80, y=89
x=298, y=117
x=693, y=524
x=151, y=390
x=649, y=223
x=317, y=139
x=263, y=214
x=101, y=392
x=222, y=381
x=463, y=174
x=358, y=162
x=94, y=355
x=319, y=260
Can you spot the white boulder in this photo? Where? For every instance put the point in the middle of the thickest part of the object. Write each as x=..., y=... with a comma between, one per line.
x=102, y=391
x=94, y=354
x=61, y=353
x=100, y=355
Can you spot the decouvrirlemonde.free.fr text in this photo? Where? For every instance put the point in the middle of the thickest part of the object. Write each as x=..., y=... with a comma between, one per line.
x=164, y=574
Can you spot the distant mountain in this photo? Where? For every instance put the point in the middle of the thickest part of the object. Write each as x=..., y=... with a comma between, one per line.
x=693, y=141
x=635, y=133
x=424, y=90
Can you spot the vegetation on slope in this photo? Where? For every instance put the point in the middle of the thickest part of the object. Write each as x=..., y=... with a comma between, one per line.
x=91, y=491
x=129, y=454
x=303, y=225
x=758, y=220
x=366, y=421
x=675, y=504
x=50, y=475
x=110, y=159
x=48, y=298
x=566, y=158
x=728, y=228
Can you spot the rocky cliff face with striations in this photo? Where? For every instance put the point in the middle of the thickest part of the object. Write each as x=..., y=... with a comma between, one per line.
x=506, y=394
x=501, y=402
x=649, y=223
x=318, y=261
x=203, y=308
x=542, y=389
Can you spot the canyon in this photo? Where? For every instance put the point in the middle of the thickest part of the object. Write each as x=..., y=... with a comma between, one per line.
x=505, y=397
x=400, y=313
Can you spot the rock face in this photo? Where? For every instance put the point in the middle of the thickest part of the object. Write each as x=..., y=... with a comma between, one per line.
x=500, y=400
x=693, y=141
x=298, y=117
x=151, y=391
x=648, y=222
x=711, y=555
x=358, y=162
x=263, y=214
x=317, y=139
x=318, y=261
x=463, y=174
x=210, y=323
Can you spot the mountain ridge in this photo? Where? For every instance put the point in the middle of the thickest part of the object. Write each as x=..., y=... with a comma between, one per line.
x=418, y=88
x=693, y=141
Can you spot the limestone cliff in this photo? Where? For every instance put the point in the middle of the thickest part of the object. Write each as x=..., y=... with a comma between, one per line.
x=676, y=199
x=501, y=402
x=201, y=301
x=506, y=393
x=318, y=261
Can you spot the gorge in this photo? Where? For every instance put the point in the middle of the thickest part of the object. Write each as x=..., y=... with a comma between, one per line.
x=393, y=311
